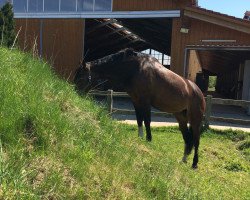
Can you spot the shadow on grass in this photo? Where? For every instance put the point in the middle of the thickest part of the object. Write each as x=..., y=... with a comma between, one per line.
x=234, y=135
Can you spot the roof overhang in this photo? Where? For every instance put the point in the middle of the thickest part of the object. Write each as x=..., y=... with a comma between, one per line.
x=110, y=35
x=218, y=19
x=102, y=15
x=107, y=36
x=157, y=32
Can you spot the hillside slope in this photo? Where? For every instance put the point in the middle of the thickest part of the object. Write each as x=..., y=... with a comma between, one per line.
x=56, y=145
x=51, y=139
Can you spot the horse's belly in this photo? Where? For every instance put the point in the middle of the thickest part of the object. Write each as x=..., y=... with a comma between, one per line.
x=170, y=99
x=170, y=106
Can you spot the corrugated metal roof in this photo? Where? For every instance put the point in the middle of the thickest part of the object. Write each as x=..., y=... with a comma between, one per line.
x=107, y=36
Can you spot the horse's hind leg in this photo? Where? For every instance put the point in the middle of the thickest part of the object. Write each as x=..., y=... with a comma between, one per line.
x=196, y=122
x=186, y=134
x=196, y=146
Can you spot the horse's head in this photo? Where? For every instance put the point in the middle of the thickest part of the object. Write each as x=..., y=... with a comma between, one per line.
x=83, y=78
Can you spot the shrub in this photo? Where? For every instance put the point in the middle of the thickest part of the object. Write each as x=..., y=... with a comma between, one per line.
x=7, y=29
x=212, y=81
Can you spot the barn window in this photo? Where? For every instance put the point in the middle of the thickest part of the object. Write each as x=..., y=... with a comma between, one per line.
x=20, y=5
x=51, y=6
x=162, y=58
x=35, y=5
x=85, y=5
x=103, y=5
x=68, y=5
x=23, y=6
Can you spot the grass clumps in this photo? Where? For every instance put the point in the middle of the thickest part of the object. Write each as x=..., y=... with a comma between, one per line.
x=49, y=136
x=57, y=145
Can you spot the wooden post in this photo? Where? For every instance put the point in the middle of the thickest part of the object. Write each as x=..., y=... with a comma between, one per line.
x=110, y=101
x=208, y=111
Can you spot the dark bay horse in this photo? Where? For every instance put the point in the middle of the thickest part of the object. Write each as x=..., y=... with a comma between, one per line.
x=148, y=83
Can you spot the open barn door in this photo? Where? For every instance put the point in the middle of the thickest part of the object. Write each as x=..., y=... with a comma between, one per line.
x=228, y=63
x=106, y=36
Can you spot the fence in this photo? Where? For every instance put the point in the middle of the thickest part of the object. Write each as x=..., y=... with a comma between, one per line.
x=110, y=94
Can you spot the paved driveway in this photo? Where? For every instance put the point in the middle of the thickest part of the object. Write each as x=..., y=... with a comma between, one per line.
x=217, y=110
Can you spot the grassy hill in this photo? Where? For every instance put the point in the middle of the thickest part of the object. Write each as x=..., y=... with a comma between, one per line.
x=56, y=145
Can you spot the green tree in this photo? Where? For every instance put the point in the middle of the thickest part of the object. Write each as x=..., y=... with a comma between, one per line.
x=7, y=29
x=1, y=27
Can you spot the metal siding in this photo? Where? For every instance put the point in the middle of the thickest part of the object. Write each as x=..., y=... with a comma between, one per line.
x=139, y=5
x=205, y=30
x=198, y=31
x=62, y=41
x=63, y=44
x=177, y=48
x=29, y=34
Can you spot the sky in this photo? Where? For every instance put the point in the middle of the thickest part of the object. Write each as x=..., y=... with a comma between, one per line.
x=236, y=8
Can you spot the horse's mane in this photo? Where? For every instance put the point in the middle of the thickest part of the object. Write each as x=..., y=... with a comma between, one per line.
x=122, y=55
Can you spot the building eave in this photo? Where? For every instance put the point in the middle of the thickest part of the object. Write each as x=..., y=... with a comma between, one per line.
x=101, y=15
x=218, y=19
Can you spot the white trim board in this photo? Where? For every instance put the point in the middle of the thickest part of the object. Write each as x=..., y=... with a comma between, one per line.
x=96, y=15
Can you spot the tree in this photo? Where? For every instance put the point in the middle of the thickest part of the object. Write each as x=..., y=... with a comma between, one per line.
x=7, y=29
x=1, y=27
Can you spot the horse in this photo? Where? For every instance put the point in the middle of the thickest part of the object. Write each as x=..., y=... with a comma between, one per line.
x=149, y=83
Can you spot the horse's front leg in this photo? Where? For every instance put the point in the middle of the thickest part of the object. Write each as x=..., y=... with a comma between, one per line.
x=147, y=121
x=139, y=118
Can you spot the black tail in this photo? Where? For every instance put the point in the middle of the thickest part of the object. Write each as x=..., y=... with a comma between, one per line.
x=189, y=141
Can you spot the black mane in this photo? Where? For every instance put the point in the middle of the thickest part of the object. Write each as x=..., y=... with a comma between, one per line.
x=117, y=57
x=116, y=69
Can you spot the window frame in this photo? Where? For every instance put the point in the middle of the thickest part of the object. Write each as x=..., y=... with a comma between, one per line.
x=94, y=7
x=75, y=10
x=164, y=59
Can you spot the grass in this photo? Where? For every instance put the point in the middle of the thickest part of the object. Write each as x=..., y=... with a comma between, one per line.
x=212, y=83
x=57, y=145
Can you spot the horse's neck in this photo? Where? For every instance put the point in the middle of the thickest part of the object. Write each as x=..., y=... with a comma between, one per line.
x=104, y=70
x=119, y=73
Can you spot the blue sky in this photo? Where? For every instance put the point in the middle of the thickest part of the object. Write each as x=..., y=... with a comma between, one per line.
x=235, y=8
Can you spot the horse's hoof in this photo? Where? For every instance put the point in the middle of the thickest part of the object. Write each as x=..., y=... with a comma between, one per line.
x=195, y=167
x=184, y=159
x=182, y=162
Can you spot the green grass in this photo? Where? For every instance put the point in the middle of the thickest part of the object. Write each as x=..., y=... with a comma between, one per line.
x=57, y=145
x=212, y=83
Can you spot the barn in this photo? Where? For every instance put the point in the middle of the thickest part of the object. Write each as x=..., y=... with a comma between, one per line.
x=200, y=42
